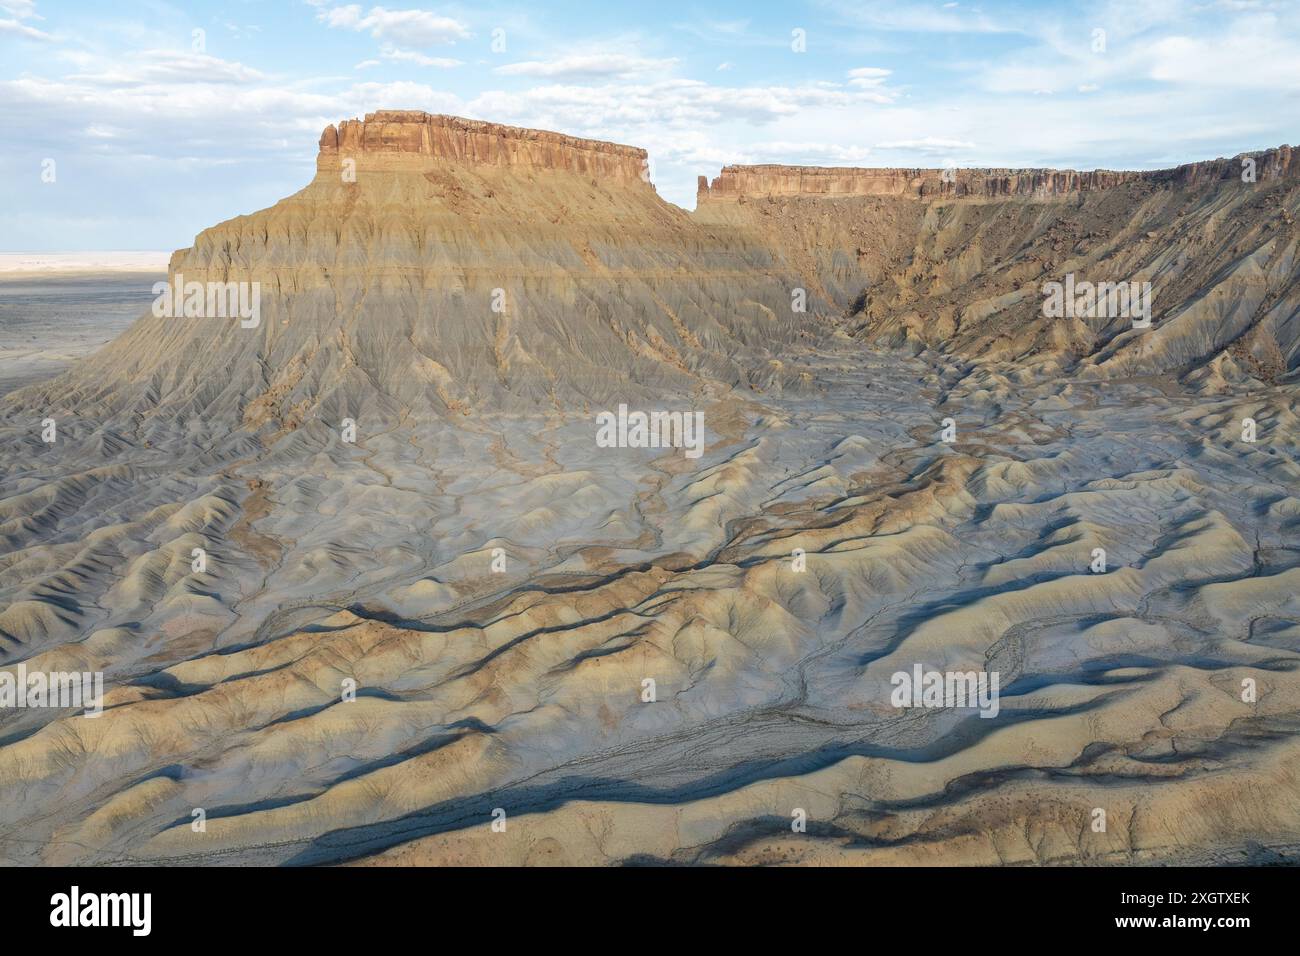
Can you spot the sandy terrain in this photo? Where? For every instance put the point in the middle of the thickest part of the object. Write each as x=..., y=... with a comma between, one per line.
x=82, y=263
x=497, y=587
x=49, y=320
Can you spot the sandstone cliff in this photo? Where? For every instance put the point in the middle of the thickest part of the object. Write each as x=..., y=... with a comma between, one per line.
x=454, y=265
x=960, y=266
x=736, y=183
x=388, y=138
x=204, y=535
x=438, y=265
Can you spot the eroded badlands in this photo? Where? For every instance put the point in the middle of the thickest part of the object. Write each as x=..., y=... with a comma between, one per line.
x=498, y=588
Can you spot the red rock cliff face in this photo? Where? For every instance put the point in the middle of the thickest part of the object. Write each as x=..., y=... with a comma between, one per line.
x=1270, y=165
x=396, y=138
x=736, y=183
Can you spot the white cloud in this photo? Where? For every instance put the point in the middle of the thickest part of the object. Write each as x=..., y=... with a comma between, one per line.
x=156, y=67
x=1168, y=90
x=778, y=151
x=694, y=148
x=1015, y=78
x=1256, y=51
x=410, y=56
x=240, y=32
x=729, y=32
x=22, y=30
x=406, y=28
x=929, y=145
x=1256, y=55
x=205, y=123
x=917, y=18
x=21, y=9
x=673, y=103
x=593, y=64
x=868, y=76
x=732, y=27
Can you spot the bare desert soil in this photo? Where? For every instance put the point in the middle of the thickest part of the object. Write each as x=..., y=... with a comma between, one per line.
x=497, y=588
x=47, y=321
x=522, y=690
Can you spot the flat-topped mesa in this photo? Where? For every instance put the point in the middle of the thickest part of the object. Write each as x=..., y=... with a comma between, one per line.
x=755, y=182
x=408, y=139
x=737, y=183
x=1268, y=165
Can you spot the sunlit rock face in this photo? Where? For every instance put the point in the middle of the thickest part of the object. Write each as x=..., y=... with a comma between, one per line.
x=957, y=260
x=387, y=139
x=762, y=181
x=364, y=577
x=448, y=265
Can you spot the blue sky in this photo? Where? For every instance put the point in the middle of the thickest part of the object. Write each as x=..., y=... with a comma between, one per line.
x=157, y=132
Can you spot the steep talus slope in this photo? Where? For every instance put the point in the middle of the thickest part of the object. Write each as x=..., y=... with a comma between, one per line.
x=438, y=265
x=960, y=265
x=500, y=588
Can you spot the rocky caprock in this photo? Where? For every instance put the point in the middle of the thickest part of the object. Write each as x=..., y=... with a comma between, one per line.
x=362, y=583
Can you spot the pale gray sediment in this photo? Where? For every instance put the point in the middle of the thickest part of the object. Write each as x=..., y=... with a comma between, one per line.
x=522, y=690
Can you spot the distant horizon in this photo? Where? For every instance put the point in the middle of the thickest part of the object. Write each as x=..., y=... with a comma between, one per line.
x=6, y=267
x=140, y=126
x=81, y=260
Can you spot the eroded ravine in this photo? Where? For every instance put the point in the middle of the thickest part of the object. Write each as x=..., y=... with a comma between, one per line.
x=499, y=586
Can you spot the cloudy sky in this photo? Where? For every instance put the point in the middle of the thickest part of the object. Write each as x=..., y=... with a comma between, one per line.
x=164, y=118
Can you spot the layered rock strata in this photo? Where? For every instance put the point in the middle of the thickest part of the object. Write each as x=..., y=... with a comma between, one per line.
x=395, y=134
x=912, y=260
x=736, y=183
x=497, y=587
